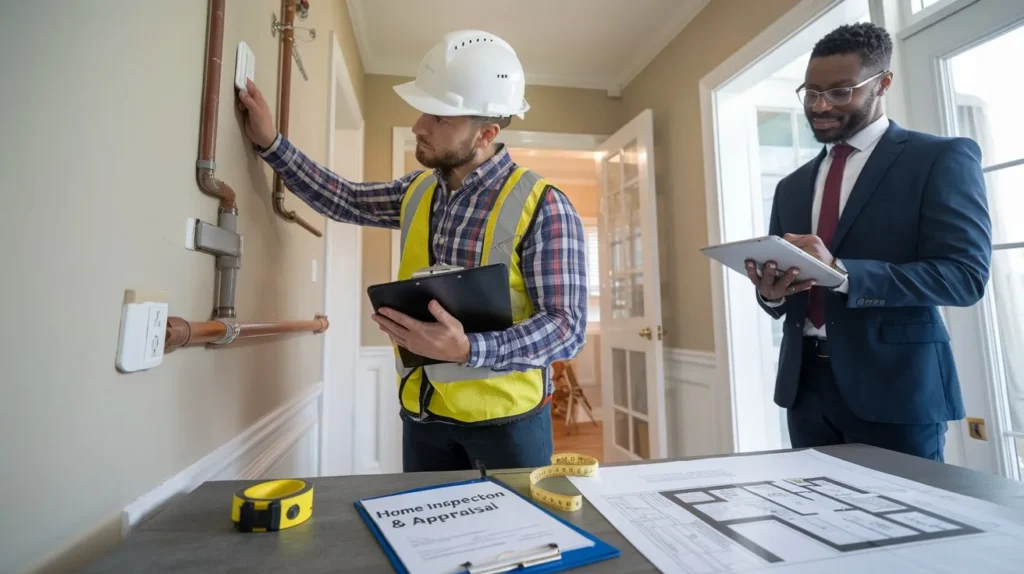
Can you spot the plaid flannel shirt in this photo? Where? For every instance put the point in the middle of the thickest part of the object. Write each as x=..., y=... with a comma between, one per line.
x=553, y=252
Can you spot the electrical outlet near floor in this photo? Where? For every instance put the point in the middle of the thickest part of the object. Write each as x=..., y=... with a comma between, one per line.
x=976, y=428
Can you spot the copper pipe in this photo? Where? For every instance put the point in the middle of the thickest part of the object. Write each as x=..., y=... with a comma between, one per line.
x=206, y=167
x=182, y=333
x=225, y=330
x=284, y=90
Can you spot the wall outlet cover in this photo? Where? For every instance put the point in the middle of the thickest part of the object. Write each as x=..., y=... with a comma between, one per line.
x=143, y=331
x=976, y=428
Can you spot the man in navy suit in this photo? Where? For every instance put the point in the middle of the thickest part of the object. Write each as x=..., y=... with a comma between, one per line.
x=903, y=215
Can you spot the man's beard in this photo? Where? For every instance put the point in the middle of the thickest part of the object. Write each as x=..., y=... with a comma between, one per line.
x=447, y=160
x=854, y=122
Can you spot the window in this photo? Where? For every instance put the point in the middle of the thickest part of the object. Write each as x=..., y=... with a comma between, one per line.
x=914, y=12
x=983, y=100
x=918, y=5
x=593, y=273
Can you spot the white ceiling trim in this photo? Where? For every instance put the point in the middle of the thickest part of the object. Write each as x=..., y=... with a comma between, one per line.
x=614, y=83
x=355, y=13
x=657, y=42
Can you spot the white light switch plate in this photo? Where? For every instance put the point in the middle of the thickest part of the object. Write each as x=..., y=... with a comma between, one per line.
x=245, y=65
x=143, y=330
x=190, y=233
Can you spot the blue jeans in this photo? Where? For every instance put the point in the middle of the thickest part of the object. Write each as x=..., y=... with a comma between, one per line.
x=432, y=447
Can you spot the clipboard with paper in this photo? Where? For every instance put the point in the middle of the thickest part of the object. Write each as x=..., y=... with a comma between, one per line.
x=478, y=526
x=478, y=297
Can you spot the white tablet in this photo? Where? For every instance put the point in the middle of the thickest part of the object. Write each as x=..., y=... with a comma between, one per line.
x=735, y=254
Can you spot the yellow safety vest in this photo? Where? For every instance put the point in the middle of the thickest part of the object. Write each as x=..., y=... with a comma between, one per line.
x=455, y=393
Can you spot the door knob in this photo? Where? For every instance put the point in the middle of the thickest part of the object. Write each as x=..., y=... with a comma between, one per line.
x=646, y=333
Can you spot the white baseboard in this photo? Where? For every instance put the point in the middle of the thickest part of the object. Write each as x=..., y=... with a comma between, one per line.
x=248, y=456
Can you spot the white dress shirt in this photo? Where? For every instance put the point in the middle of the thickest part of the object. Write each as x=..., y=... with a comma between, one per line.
x=863, y=143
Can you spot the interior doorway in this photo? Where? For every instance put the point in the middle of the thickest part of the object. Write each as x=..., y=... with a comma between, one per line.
x=341, y=436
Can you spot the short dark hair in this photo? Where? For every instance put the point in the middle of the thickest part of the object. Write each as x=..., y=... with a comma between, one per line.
x=502, y=122
x=872, y=43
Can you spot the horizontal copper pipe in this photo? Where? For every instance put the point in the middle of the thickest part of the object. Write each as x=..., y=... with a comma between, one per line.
x=182, y=333
x=284, y=97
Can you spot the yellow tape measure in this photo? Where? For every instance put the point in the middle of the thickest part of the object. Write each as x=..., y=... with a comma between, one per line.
x=567, y=464
x=272, y=505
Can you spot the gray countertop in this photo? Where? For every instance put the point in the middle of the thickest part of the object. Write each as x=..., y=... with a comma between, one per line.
x=195, y=533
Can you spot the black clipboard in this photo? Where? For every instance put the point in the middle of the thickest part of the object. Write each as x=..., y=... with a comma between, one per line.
x=478, y=297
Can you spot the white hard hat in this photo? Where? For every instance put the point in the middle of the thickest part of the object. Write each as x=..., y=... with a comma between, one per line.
x=468, y=73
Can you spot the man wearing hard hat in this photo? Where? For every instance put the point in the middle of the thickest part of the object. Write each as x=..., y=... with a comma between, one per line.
x=489, y=400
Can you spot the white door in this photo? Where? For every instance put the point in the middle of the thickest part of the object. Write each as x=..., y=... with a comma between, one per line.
x=964, y=80
x=631, y=332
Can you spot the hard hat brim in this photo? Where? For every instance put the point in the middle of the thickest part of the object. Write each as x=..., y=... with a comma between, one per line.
x=425, y=103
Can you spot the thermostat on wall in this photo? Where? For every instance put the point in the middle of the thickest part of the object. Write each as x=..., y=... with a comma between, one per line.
x=245, y=65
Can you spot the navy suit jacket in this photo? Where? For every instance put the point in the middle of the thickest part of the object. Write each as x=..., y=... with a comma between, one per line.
x=914, y=235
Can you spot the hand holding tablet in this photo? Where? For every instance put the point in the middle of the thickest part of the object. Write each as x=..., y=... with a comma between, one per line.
x=790, y=268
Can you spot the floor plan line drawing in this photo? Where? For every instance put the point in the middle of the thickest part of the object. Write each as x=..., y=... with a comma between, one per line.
x=840, y=516
x=801, y=512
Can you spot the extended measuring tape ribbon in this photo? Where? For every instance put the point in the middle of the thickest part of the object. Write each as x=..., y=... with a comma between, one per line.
x=567, y=464
x=272, y=505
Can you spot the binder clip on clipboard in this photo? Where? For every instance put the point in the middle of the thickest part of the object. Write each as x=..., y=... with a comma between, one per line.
x=439, y=268
x=510, y=561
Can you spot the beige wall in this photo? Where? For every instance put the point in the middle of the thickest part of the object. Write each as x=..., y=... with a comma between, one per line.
x=669, y=86
x=552, y=110
x=101, y=118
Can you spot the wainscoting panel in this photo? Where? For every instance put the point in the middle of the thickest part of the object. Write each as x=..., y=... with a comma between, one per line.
x=378, y=429
x=284, y=443
x=690, y=403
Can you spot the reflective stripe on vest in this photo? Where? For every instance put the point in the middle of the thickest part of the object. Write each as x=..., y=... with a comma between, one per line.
x=458, y=393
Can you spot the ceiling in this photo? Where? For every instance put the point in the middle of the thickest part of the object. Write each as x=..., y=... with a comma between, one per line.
x=601, y=44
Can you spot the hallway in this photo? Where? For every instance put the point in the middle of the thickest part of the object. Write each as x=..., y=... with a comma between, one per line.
x=586, y=439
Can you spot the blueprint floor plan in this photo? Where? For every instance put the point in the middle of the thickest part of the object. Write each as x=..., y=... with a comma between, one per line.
x=800, y=512
x=761, y=515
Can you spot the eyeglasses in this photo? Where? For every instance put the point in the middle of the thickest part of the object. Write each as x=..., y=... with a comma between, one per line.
x=835, y=96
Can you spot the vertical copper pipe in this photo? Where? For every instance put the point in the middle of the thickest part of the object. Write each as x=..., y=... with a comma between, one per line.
x=225, y=330
x=284, y=91
x=206, y=167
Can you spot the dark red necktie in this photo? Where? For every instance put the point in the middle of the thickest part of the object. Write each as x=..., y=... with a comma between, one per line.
x=828, y=220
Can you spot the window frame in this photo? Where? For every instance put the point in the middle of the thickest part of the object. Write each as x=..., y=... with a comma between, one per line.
x=590, y=225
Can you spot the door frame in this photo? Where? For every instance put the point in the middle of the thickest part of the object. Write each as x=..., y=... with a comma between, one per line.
x=727, y=407
x=403, y=140
x=729, y=403
x=341, y=287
